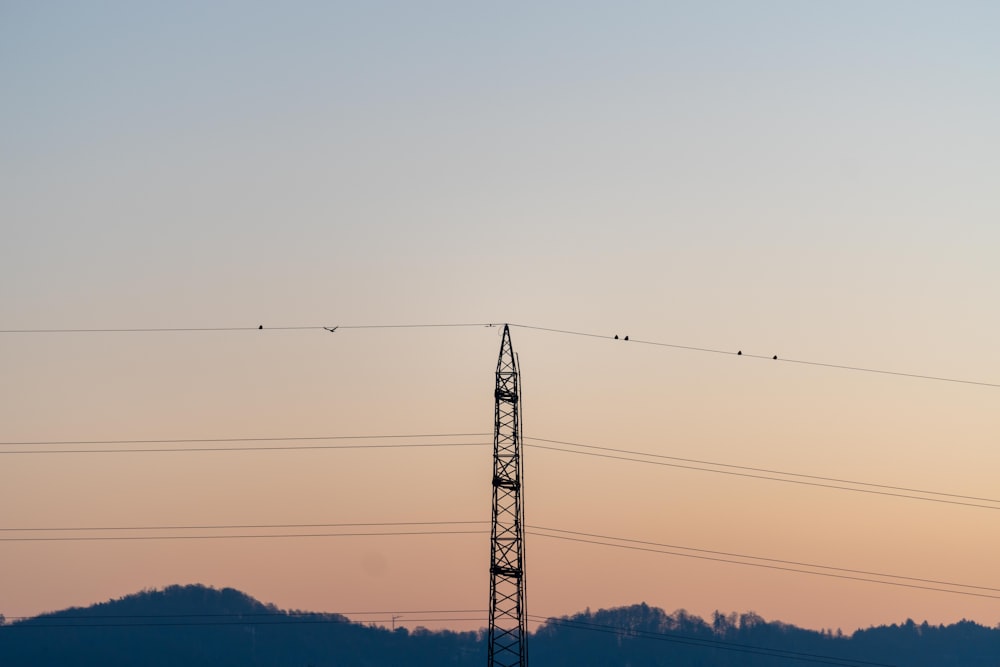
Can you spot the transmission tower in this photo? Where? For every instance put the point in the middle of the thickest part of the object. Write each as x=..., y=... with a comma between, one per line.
x=508, y=632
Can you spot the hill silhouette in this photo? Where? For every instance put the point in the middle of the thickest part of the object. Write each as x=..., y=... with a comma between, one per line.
x=200, y=626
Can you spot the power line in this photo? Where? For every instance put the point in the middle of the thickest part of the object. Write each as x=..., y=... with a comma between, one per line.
x=252, y=439
x=765, y=470
x=118, y=538
x=154, y=330
x=569, y=535
x=760, y=565
x=290, y=621
x=740, y=353
x=568, y=332
x=42, y=443
x=765, y=477
x=289, y=614
x=708, y=643
x=245, y=526
x=770, y=560
x=244, y=449
x=804, y=479
x=416, y=326
x=260, y=327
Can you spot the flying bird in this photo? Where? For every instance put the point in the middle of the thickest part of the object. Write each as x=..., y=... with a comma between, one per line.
x=333, y=329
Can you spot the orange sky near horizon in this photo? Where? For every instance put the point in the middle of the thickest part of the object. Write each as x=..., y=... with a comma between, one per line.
x=727, y=409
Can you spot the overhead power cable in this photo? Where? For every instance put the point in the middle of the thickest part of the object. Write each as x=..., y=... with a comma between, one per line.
x=98, y=615
x=288, y=448
x=120, y=538
x=293, y=438
x=804, y=479
x=769, y=357
x=242, y=526
x=236, y=622
x=653, y=547
x=613, y=453
x=259, y=327
x=540, y=531
x=568, y=332
x=767, y=470
x=769, y=560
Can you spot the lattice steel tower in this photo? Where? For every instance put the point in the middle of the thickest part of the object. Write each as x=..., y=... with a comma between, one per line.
x=508, y=632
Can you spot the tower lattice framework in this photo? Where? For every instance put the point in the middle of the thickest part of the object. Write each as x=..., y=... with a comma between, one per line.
x=508, y=626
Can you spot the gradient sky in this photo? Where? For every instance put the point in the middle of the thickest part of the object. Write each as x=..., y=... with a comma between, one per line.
x=813, y=180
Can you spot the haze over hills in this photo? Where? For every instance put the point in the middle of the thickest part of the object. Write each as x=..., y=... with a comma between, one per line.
x=198, y=626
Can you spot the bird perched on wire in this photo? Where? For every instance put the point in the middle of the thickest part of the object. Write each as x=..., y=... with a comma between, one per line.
x=626, y=337
x=616, y=336
x=740, y=353
x=260, y=327
x=775, y=357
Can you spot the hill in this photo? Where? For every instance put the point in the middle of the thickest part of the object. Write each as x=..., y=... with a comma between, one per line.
x=199, y=626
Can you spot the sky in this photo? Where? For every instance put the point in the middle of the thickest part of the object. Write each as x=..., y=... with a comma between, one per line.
x=815, y=181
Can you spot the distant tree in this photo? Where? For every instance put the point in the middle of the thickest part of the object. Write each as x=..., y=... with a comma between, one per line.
x=751, y=620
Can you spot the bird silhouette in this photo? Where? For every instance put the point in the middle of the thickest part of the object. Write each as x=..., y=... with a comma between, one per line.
x=626, y=337
x=775, y=357
x=740, y=353
x=616, y=336
x=331, y=330
x=261, y=326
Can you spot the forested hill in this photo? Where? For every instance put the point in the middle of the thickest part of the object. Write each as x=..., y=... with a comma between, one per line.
x=197, y=626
